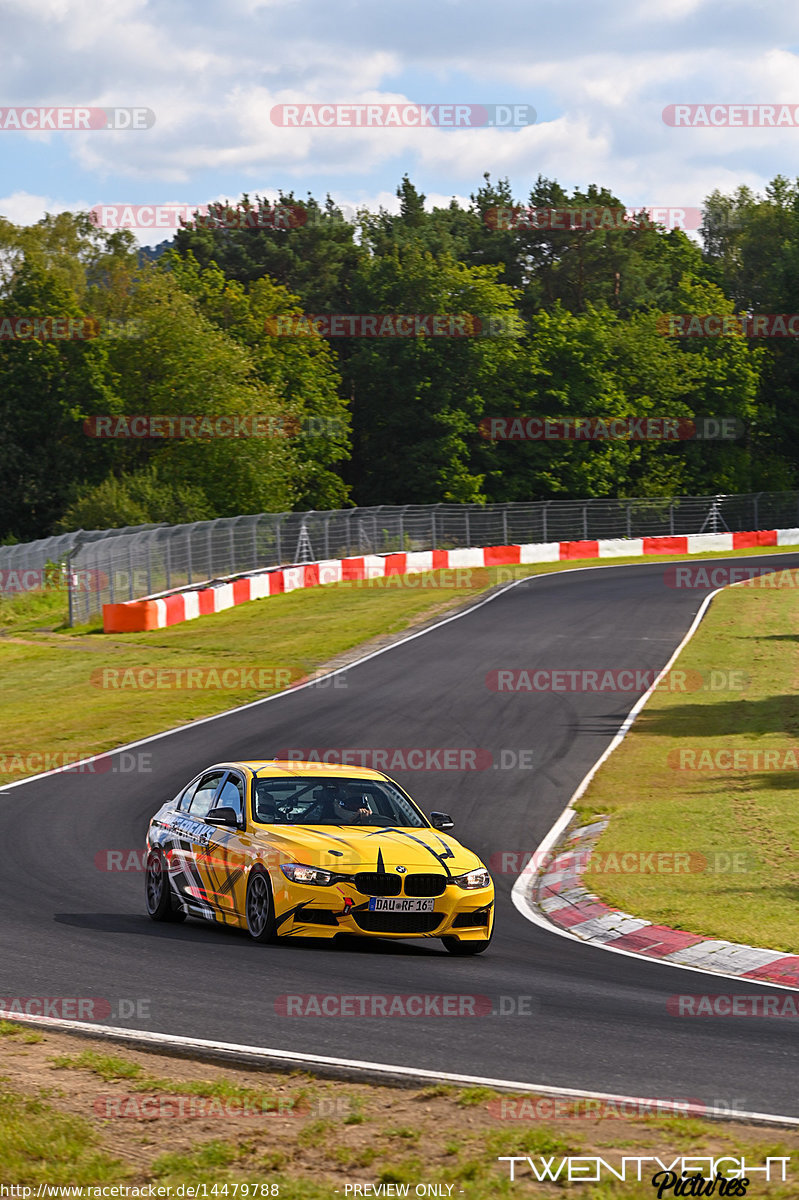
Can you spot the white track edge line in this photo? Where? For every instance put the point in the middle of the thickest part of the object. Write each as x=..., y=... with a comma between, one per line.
x=234, y=1051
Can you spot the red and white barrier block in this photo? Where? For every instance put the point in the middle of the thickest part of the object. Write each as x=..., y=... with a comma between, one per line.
x=157, y=612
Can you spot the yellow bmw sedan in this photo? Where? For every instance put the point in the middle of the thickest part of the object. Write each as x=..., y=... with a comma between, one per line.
x=300, y=849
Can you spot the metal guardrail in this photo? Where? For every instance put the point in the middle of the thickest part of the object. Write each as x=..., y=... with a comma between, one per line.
x=118, y=565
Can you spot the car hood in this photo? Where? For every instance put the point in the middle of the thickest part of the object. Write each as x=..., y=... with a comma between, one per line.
x=349, y=850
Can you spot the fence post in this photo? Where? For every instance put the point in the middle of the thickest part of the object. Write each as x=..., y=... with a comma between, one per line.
x=69, y=588
x=97, y=576
x=505, y=526
x=149, y=567
x=188, y=552
x=757, y=510
x=255, y=544
x=468, y=540
x=168, y=561
x=629, y=518
x=327, y=535
x=130, y=571
x=585, y=521
x=671, y=520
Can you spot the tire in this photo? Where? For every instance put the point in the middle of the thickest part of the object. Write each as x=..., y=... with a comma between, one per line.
x=259, y=907
x=460, y=948
x=157, y=892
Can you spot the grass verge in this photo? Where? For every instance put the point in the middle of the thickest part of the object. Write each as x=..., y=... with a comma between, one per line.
x=712, y=775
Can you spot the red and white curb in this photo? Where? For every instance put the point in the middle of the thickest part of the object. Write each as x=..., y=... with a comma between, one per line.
x=173, y=607
x=559, y=893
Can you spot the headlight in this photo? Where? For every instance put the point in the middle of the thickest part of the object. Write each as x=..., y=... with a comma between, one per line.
x=298, y=873
x=479, y=878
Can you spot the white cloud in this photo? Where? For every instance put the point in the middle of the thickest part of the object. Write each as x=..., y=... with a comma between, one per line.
x=23, y=208
x=599, y=74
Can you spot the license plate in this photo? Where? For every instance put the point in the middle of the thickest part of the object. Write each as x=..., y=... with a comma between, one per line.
x=395, y=904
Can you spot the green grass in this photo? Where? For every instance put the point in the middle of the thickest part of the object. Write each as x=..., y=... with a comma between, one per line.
x=30, y=610
x=51, y=705
x=108, y=1066
x=41, y=1145
x=28, y=1036
x=475, y=1095
x=740, y=825
x=112, y=1068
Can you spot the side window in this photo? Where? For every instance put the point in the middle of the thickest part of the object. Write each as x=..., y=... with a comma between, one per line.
x=232, y=795
x=182, y=803
x=204, y=795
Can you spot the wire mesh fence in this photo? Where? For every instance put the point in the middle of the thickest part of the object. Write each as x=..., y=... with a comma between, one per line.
x=31, y=565
x=110, y=566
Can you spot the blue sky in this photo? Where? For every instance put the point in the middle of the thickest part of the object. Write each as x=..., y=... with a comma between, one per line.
x=598, y=75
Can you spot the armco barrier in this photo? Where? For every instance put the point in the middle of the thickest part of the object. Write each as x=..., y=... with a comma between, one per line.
x=157, y=612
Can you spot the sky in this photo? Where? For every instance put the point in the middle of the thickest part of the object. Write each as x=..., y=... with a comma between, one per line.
x=597, y=75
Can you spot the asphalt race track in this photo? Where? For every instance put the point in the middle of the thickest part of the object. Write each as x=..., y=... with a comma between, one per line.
x=594, y=1020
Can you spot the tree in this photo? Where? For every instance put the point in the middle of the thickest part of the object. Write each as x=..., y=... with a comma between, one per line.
x=418, y=400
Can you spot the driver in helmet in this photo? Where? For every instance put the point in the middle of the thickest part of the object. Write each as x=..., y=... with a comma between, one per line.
x=352, y=806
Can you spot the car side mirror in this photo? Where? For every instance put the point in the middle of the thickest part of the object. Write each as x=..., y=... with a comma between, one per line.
x=442, y=820
x=223, y=816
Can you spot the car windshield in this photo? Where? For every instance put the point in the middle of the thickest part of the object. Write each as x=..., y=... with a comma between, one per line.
x=297, y=801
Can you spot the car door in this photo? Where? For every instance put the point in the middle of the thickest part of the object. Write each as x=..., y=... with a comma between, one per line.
x=192, y=881
x=228, y=849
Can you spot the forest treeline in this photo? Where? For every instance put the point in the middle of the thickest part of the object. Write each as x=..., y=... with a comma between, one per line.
x=566, y=323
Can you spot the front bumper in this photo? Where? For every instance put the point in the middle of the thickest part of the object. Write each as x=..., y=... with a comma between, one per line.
x=307, y=911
